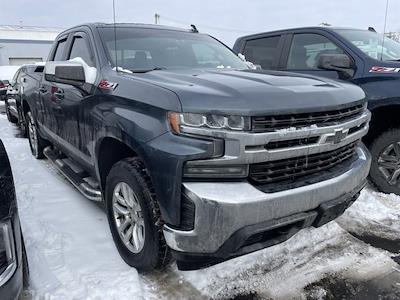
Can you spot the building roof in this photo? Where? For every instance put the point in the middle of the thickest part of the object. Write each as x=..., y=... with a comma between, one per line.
x=31, y=33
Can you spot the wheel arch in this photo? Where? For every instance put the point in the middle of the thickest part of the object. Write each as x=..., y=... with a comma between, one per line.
x=109, y=151
x=383, y=118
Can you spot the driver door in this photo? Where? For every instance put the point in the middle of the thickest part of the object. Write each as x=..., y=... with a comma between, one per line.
x=304, y=53
x=71, y=99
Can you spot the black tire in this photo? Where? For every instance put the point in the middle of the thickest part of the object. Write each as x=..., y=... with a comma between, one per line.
x=155, y=253
x=22, y=125
x=10, y=117
x=25, y=266
x=36, y=143
x=381, y=176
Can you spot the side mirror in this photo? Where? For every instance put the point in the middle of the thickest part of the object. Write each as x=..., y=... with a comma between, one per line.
x=65, y=72
x=337, y=62
x=74, y=72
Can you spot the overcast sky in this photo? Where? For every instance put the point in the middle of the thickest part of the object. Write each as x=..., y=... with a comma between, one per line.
x=224, y=19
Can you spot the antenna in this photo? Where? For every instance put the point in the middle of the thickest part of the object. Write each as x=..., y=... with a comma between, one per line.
x=194, y=29
x=115, y=38
x=384, y=29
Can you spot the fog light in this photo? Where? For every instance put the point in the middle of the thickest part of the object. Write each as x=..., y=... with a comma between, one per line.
x=202, y=171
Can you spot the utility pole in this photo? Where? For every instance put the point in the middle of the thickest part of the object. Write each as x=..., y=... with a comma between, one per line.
x=156, y=18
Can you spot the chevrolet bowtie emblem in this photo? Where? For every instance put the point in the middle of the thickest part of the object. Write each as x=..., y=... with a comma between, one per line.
x=339, y=136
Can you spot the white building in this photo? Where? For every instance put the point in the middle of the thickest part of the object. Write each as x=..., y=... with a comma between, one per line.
x=25, y=44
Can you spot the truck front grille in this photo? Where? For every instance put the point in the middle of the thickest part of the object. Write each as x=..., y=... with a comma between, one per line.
x=291, y=169
x=326, y=118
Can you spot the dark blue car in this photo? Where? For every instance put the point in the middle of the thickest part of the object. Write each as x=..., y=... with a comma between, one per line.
x=363, y=57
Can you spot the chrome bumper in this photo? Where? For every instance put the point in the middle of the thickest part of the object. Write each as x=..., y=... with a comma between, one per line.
x=222, y=208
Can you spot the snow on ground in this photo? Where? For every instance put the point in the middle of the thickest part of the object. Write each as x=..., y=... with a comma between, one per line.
x=72, y=255
x=374, y=214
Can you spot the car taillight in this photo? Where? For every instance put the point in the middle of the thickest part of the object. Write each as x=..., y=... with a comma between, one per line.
x=2, y=85
x=7, y=250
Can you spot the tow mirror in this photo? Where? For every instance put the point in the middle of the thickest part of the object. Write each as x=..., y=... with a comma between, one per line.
x=337, y=62
x=75, y=72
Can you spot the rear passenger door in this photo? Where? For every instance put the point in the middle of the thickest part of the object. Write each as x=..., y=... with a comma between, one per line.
x=264, y=51
x=303, y=53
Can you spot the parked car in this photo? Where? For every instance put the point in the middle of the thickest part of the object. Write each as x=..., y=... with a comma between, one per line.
x=25, y=78
x=191, y=151
x=6, y=74
x=14, y=272
x=363, y=57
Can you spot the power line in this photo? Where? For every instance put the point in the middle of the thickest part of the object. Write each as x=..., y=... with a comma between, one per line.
x=206, y=26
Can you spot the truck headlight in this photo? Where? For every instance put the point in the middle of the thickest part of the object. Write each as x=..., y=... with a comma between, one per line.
x=211, y=121
x=7, y=251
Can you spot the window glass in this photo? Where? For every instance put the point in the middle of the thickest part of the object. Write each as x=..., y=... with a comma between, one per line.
x=80, y=49
x=142, y=49
x=263, y=52
x=306, y=50
x=60, y=50
x=374, y=44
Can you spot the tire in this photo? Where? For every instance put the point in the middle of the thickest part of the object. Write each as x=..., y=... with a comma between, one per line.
x=36, y=143
x=10, y=117
x=385, y=167
x=25, y=266
x=150, y=251
x=22, y=125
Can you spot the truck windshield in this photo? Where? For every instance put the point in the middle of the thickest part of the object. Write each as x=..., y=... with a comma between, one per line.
x=141, y=49
x=373, y=44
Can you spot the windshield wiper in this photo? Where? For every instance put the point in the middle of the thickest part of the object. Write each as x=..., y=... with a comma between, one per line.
x=148, y=70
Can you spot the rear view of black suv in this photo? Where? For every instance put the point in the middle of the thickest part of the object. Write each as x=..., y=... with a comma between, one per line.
x=363, y=57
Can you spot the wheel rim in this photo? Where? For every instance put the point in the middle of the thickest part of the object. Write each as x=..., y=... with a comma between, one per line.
x=128, y=217
x=389, y=163
x=33, y=139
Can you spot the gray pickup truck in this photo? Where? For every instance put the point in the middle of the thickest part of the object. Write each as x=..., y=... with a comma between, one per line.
x=192, y=152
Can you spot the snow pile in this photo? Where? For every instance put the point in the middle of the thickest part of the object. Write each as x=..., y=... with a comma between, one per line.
x=282, y=271
x=375, y=214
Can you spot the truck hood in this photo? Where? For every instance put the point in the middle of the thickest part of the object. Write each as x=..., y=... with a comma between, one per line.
x=253, y=92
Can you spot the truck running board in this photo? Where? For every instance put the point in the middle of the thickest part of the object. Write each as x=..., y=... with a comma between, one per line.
x=85, y=184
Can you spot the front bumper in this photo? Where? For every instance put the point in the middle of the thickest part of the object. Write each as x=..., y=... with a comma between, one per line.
x=224, y=208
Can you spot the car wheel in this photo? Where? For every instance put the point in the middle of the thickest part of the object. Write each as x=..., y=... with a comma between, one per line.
x=134, y=216
x=385, y=168
x=22, y=125
x=10, y=117
x=36, y=143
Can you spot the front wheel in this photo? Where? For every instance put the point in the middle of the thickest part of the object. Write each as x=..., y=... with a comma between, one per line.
x=36, y=143
x=134, y=216
x=385, y=167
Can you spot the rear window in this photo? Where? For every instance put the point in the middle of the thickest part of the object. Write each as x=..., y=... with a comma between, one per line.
x=263, y=51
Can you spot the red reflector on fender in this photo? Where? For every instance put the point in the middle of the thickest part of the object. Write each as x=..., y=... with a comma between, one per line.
x=107, y=85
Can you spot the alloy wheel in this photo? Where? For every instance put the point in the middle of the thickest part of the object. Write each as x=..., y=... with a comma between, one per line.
x=389, y=163
x=128, y=216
